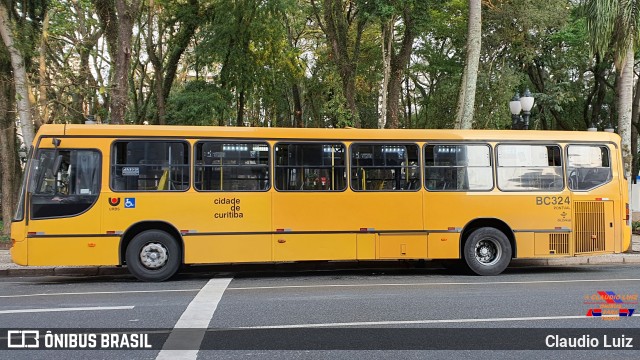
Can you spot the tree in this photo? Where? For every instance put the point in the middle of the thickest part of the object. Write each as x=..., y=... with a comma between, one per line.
x=338, y=17
x=467, y=97
x=21, y=81
x=614, y=24
x=170, y=29
x=117, y=18
x=397, y=60
x=8, y=178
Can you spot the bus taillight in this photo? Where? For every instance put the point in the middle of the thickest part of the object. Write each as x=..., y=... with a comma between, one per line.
x=626, y=217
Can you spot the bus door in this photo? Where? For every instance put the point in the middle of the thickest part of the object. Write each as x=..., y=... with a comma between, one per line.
x=63, y=219
x=233, y=202
x=310, y=215
x=594, y=194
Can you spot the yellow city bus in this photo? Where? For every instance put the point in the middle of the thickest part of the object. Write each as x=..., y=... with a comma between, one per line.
x=156, y=197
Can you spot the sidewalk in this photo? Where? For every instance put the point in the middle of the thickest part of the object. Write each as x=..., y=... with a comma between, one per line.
x=7, y=268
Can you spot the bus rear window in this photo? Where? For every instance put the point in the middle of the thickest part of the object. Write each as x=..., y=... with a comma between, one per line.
x=530, y=168
x=588, y=166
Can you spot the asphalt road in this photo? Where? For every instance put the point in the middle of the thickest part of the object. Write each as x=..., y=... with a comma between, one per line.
x=378, y=309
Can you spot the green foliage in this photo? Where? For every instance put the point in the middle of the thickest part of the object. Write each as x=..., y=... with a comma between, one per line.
x=635, y=226
x=262, y=52
x=336, y=110
x=196, y=104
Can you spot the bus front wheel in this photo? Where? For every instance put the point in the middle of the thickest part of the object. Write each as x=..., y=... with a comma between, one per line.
x=153, y=255
x=487, y=251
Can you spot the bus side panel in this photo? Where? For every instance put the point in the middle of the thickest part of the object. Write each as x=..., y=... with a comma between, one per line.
x=403, y=246
x=524, y=214
x=227, y=248
x=74, y=251
x=526, y=244
x=338, y=217
x=366, y=246
x=444, y=245
x=207, y=220
x=294, y=247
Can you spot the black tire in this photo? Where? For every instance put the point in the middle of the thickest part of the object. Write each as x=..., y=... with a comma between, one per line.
x=153, y=255
x=487, y=251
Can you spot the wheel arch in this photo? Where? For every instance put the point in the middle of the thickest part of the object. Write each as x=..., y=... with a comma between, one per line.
x=141, y=226
x=488, y=222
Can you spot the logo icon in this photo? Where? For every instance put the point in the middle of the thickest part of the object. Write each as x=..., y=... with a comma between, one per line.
x=113, y=201
x=609, y=305
x=20, y=339
x=626, y=312
x=129, y=203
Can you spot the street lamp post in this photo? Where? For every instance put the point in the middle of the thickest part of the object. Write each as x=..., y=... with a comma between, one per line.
x=515, y=107
x=527, y=105
x=518, y=104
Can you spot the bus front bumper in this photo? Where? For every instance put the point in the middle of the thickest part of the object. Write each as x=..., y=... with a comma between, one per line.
x=19, y=252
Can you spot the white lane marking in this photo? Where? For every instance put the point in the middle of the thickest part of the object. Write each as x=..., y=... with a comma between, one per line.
x=418, y=322
x=94, y=308
x=431, y=284
x=100, y=293
x=197, y=316
x=311, y=286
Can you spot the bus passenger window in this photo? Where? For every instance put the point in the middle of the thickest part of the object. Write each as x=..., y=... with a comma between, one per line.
x=588, y=166
x=310, y=167
x=385, y=167
x=141, y=165
x=529, y=168
x=231, y=166
x=458, y=167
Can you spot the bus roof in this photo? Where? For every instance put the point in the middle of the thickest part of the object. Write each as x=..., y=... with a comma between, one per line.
x=234, y=132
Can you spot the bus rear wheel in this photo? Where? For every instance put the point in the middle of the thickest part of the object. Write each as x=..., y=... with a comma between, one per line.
x=487, y=251
x=153, y=255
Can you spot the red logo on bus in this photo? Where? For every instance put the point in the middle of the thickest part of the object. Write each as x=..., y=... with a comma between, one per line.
x=114, y=201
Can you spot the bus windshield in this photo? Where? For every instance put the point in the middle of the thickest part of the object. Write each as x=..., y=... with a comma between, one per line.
x=63, y=182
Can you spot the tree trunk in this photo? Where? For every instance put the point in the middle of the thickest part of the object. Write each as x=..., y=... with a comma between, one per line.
x=240, y=114
x=127, y=12
x=19, y=76
x=42, y=70
x=408, y=103
x=7, y=146
x=336, y=26
x=635, y=123
x=625, y=101
x=182, y=40
x=387, y=43
x=297, y=106
x=467, y=97
x=399, y=63
x=155, y=58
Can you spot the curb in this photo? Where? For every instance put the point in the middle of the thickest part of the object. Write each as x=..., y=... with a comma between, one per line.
x=633, y=259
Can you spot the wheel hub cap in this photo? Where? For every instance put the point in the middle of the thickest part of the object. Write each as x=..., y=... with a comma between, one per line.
x=488, y=252
x=154, y=255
